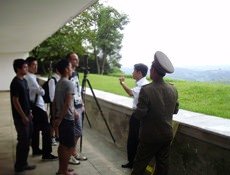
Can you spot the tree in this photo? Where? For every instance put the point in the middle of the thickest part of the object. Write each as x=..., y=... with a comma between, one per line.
x=56, y=47
x=96, y=31
x=102, y=28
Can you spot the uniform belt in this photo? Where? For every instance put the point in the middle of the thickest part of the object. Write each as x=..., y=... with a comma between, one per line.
x=77, y=106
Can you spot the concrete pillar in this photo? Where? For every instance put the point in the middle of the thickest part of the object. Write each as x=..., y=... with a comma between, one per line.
x=6, y=68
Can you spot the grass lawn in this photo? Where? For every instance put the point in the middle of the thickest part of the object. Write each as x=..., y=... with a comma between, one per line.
x=206, y=98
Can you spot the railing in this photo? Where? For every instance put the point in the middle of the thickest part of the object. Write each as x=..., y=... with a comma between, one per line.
x=201, y=144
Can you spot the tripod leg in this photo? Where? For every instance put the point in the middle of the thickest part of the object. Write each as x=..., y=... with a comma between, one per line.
x=83, y=88
x=80, y=144
x=100, y=110
x=87, y=119
x=82, y=120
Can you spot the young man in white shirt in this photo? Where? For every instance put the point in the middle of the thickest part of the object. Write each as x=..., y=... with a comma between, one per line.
x=139, y=74
x=40, y=120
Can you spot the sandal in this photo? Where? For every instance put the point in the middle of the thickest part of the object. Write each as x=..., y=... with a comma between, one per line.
x=70, y=169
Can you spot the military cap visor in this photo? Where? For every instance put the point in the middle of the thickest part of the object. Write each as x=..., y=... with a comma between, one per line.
x=162, y=63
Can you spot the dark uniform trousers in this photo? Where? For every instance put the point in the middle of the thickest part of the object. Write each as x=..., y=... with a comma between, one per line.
x=133, y=138
x=145, y=153
x=40, y=121
x=24, y=134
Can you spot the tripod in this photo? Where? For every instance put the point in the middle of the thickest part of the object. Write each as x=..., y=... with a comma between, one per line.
x=83, y=90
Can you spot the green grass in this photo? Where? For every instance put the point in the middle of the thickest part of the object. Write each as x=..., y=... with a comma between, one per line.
x=206, y=98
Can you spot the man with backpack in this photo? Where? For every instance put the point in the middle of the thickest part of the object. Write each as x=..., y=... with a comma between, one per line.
x=51, y=92
x=40, y=120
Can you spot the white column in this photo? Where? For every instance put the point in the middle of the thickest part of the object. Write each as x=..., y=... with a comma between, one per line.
x=6, y=68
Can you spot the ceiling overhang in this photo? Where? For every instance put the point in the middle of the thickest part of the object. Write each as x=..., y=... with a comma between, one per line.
x=25, y=24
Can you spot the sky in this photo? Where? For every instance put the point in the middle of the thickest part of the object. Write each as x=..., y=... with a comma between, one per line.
x=191, y=33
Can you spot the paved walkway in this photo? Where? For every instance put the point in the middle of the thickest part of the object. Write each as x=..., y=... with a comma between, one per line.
x=104, y=158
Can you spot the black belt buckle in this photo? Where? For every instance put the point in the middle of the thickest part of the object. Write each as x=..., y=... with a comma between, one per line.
x=77, y=106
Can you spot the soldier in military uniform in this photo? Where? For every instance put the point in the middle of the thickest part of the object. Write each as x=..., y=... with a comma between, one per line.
x=158, y=101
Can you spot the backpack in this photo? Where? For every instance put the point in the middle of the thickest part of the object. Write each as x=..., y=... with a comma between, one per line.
x=45, y=86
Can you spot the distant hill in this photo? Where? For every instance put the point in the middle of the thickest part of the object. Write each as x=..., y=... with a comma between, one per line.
x=218, y=75
x=127, y=70
x=202, y=74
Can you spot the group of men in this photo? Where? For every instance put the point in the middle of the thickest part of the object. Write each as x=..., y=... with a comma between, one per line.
x=30, y=115
x=150, y=125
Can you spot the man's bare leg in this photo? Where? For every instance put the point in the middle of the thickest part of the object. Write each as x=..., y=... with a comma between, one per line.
x=64, y=154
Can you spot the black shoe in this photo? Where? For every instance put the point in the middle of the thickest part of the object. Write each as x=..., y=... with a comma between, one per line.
x=27, y=167
x=128, y=165
x=49, y=157
x=37, y=152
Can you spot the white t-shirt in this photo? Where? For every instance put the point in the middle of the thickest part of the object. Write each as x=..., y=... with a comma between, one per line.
x=136, y=90
x=35, y=88
x=77, y=89
x=52, y=86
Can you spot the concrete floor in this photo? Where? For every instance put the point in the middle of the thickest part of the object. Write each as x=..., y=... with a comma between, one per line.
x=104, y=157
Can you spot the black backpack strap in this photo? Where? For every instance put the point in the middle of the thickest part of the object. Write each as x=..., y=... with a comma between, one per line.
x=36, y=98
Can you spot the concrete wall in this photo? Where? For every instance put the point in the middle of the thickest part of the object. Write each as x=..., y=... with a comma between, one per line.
x=6, y=68
x=196, y=149
x=194, y=156
x=115, y=115
x=201, y=144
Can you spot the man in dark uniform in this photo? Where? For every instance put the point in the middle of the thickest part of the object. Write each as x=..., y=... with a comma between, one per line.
x=156, y=106
x=21, y=110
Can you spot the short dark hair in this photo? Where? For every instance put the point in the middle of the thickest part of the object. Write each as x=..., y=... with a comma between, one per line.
x=142, y=68
x=18, y=63
x=30, y=59
x=62, y=65
x=69, y=54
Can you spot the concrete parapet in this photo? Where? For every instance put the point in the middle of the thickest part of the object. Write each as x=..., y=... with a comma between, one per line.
x=201, y=145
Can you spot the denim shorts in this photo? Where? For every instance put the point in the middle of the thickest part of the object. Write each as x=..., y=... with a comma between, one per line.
x=78, y=124
x=66, y=133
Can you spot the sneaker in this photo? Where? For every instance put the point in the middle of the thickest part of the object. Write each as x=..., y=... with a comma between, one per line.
x=54, y=143
x=73, y=161
x=49, y=157
x=80, y=157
